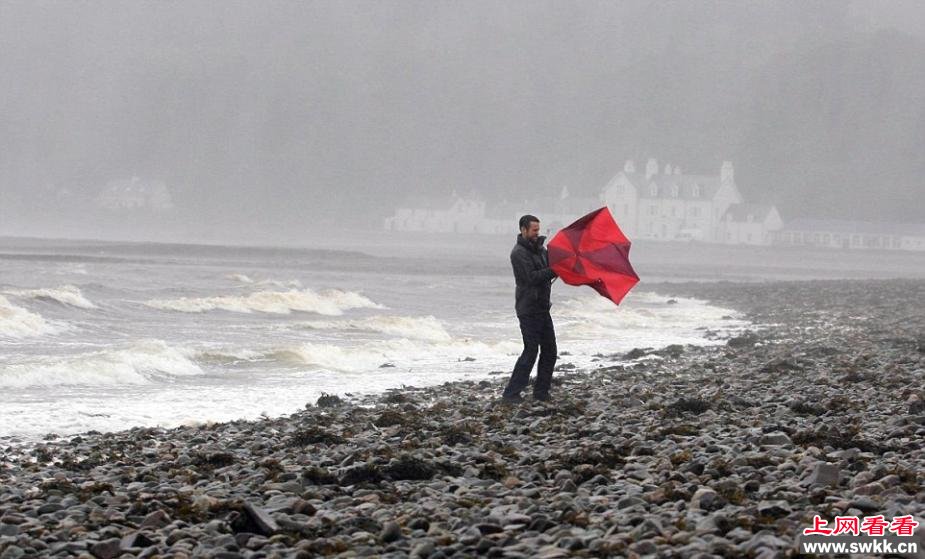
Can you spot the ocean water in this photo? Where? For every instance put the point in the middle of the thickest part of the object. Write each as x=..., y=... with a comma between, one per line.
x=105, y=336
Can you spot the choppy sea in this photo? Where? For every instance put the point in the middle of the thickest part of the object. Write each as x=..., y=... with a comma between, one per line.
x=107, y=336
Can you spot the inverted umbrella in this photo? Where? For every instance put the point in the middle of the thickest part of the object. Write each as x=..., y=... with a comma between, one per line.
x=593, y=251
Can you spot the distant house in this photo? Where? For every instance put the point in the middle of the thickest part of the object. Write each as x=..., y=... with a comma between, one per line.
x=470, y=214
x=837, y=233
x=461, y=214
x=135, y=194
x=750, y=224
x=670, y=205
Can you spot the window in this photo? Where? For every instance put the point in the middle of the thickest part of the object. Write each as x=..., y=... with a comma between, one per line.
x=653, y=190
x=695, y=191
x=674, y=191
x=653, y=210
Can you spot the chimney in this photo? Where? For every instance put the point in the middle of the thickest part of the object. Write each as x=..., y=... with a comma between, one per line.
x=629, y=166
x=727, y=174
x=651, y=168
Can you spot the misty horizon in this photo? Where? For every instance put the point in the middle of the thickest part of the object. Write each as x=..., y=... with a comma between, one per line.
x=272, y=119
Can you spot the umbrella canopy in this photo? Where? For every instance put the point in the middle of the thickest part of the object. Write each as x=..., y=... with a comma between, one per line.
x=593, y=251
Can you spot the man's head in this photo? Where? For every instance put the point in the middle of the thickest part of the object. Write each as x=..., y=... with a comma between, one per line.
x=529, y=227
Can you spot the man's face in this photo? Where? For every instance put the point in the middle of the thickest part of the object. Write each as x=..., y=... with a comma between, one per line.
x=532, y=232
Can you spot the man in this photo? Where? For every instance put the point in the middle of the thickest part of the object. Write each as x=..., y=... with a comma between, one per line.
x=534, y=282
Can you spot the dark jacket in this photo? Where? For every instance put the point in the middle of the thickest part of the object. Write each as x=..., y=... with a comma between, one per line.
x=532, y=276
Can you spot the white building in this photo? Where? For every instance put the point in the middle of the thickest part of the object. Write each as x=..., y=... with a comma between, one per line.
x=134, y=194
x=459, y=215
x=670, y=205
x=859, y=235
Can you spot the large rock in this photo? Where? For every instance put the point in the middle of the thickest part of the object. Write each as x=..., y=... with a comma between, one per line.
x=261, y=519
x=824, y=473
x=705, y=498
x=155, y=520
x=107, y=549
x=776, y=438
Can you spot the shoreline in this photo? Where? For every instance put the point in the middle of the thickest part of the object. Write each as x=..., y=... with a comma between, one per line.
x=724, y=450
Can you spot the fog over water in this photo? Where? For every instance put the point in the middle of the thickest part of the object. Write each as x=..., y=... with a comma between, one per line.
x=273, y=120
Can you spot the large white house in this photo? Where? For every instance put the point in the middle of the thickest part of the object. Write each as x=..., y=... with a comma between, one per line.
x=670, y=205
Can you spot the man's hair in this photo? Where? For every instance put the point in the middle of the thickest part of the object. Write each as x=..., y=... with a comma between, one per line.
x=526, y=220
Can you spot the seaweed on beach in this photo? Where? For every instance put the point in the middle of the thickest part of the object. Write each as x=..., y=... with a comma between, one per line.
x=213, y=460
x=319, y=476
x=364, y=473
x=329, y=401
x=313, y=435
x=687, y=405
x=391, y=417
x=410, y=468
x=802, y=407
x=835, y=438
x=459, y=433
x=493, y=470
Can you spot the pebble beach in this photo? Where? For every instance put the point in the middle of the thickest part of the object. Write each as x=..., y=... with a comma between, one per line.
x=682, y=451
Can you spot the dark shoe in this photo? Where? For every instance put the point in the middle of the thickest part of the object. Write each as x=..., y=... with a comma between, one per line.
x=541, y=397
x=515, y=399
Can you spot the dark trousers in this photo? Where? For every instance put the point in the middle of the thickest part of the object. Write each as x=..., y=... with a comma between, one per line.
x=539, y=337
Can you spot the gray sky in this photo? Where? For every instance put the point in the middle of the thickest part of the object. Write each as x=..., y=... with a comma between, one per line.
x=273, y=114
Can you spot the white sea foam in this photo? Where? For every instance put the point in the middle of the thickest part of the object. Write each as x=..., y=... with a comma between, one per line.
x=595, y=317
x=331, y=302
x=242, y=278
x=17, y=322
x=401, y=353
x=137, y=364
x=66, y=295
x=426, y=328
x=226, y=356
x=245, y=279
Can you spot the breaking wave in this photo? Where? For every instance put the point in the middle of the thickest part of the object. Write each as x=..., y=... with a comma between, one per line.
x=66, y=295
x=402, y=353
x=425, y=328
x=17, y=322
x=227, y=356
x=138, y=364
x=332, y=302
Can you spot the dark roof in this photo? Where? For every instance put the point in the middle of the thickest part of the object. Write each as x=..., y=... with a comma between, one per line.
x=740, y=212
x=860, y=227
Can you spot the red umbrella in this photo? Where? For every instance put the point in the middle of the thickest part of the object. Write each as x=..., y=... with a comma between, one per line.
x=593, y=251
